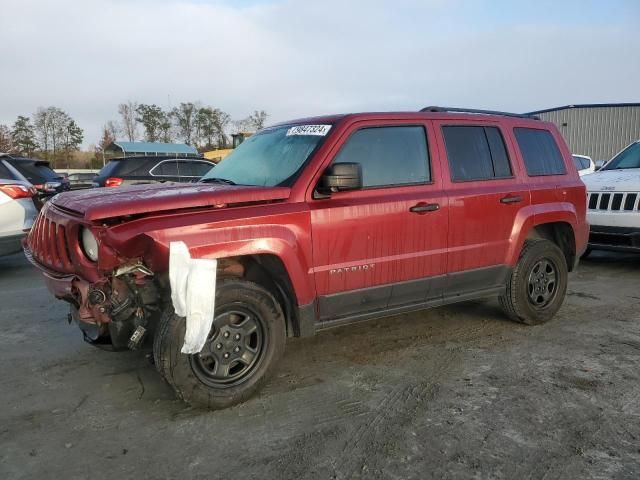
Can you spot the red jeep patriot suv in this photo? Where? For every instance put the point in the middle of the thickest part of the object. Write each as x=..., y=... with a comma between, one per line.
x=312, y=224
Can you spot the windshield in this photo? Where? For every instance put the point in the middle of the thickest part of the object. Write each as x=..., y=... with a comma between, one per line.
x=628, y=158
x=271, y=157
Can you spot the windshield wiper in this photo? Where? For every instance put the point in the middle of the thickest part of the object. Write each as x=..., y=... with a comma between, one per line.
x=218, y=180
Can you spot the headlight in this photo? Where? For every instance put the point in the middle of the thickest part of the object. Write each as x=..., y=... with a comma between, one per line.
x=89, y=244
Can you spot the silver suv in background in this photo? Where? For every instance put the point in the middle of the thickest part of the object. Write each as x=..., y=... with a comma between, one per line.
x=18, y=208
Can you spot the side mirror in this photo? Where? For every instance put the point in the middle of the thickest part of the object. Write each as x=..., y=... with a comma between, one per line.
x=342, y=176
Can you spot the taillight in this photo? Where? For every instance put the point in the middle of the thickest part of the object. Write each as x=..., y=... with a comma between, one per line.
x=17, y=191
x=113, y=182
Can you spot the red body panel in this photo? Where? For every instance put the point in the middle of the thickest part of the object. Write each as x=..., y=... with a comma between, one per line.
x=326, y=243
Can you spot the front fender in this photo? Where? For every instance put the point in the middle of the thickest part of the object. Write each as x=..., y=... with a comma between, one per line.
x=214, y=242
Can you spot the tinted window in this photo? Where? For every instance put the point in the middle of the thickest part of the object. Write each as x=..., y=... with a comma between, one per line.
x=540, y=152
x=128, y=167
x=580, y=163
x=388, y=155
x=194, y=169
x=166, y=169
x=35, y=172
x=476, y=153
x=628, y=158
x=5, y=172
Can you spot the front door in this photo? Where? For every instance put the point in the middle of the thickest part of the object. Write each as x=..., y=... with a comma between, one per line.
x=385, y=244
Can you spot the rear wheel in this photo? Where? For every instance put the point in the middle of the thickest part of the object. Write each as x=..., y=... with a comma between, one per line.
x=538, y=283
x=246, y=340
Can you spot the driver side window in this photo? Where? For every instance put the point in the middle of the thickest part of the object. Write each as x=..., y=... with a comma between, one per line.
x=388, y=155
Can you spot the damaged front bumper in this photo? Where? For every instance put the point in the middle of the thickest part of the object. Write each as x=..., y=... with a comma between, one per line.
x=116, y=312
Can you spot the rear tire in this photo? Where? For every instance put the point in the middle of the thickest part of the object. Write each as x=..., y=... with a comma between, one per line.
x=538, y=283
x=246, y=341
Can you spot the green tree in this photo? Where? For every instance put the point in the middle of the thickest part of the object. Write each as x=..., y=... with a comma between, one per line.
x=72, y=138
x=154, y=121
x=23, y=136
x=185, y=116
x=210, y=127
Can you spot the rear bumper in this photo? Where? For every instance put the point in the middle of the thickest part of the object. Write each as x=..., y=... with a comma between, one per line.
x=617, y=239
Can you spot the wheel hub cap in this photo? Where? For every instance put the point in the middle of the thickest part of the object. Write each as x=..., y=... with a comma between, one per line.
x=542, y=284
x=232, y=350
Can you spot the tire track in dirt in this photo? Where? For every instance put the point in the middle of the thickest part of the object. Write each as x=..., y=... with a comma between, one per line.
x=388, y=419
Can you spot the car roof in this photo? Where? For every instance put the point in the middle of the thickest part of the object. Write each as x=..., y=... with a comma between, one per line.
x=19, y=159
x=157, y=157
x=440, y=114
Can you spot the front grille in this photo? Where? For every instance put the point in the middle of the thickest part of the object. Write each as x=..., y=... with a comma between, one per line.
x=615, y=202
x=48, y=244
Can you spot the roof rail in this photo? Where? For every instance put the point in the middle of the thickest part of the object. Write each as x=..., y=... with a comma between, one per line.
x=473, y=110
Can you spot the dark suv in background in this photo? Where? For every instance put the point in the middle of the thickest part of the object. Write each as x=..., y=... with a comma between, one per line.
x=40, y=174
x=136, y=170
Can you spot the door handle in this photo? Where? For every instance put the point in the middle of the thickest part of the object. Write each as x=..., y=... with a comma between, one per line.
x=511, y=199
x=422, y=208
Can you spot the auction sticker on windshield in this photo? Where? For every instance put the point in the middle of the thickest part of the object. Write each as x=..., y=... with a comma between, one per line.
x=319, y=130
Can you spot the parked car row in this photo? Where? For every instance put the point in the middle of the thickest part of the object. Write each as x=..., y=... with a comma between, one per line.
x=18, y=207
x=157, y=169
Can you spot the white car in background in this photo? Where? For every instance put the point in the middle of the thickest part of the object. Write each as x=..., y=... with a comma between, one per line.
x=584, y=164
x=17, y=208
x=613, y=203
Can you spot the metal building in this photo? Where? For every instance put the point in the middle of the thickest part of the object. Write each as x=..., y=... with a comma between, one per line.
x=598, y=130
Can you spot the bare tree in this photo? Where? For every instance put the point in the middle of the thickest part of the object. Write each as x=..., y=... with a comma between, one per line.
x=6, y=141
x=129, y=114
x=258, y=119
x=113, y=129
x=252, y=123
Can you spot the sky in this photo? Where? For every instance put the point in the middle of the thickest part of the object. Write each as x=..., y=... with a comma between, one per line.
x=302, y=58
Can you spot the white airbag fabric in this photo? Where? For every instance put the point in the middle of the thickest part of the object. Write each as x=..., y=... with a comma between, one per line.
x=193, y=293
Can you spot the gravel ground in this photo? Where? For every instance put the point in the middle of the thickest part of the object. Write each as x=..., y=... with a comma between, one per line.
x=456, y=392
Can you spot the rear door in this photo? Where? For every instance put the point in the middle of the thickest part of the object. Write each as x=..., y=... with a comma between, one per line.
x=485, y=195
x=384, y=245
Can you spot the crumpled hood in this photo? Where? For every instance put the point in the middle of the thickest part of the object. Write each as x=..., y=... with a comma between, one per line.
x=101, y=203
x=627, y=180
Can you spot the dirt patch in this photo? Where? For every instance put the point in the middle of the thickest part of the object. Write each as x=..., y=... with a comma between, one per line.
x=456, y=392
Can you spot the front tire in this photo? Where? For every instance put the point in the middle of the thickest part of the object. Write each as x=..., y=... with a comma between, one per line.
x=538, y=283
x=246, y=340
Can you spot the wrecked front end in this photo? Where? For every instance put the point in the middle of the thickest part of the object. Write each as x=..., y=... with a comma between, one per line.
x=116, y=302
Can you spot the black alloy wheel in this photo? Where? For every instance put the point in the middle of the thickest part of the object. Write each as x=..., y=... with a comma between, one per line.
x=233, y=348
x=543, y=283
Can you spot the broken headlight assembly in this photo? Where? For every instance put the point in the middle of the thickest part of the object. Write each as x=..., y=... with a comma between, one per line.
x=89, y=244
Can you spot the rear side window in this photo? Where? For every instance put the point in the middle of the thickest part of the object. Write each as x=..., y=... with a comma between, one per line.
x=540, y=152
x=166, y=169
x=5, y=173
x=35, y=172
x=132, y=167
x=476, y=153
x=194, y=169
x=388, y=155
